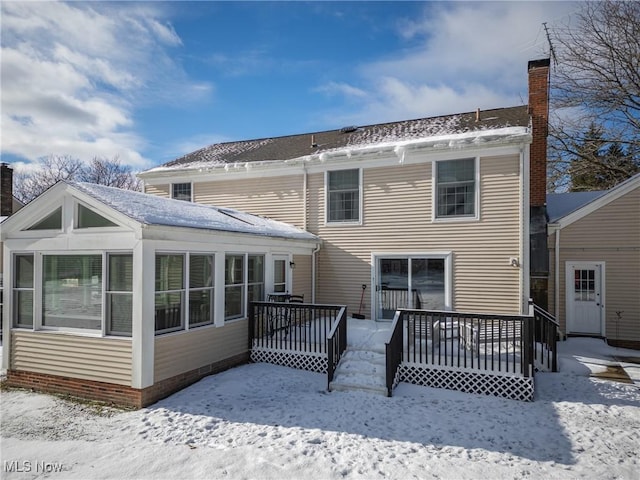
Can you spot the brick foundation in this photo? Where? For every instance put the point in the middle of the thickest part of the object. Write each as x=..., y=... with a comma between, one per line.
x=117, y=394
x=632, y=344
x=166, y=387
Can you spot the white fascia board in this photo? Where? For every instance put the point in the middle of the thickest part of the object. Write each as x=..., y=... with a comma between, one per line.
x=613, y=194
x=51, y=200
x=38, y=208
x=408, y=151
x=206, y=239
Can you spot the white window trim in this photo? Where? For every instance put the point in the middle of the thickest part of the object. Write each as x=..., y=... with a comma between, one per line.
x=434, y=193
x=179, y=183
x=183, y=290
x=39, y=293
x=188, y=289
x=81, y=230
x=447, y=256
x=245, y=278
x=106, y=292
x=327, y=222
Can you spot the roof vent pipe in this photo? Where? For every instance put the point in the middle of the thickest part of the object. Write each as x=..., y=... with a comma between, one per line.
x=478, y=115
x=313, y=141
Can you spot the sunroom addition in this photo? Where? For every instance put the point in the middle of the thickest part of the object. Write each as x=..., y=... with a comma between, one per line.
x=100, y=275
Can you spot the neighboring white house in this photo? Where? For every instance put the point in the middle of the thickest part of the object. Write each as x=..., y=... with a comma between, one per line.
x=87, y=313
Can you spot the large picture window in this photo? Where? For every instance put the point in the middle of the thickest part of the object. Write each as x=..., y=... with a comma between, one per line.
x=343, y=196
x=456, y=188
x=119, y=294
x=234, y=287
x=72, y=291
x=169, y=302
x=23, y=291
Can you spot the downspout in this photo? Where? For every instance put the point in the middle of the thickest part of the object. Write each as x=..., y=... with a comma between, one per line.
x=526, y=232
x=313, y=273
x=556, y=260
x=305, y=191
x=305, y=187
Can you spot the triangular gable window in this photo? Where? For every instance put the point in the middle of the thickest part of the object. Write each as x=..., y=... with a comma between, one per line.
x=89, y=219
x=50, y=222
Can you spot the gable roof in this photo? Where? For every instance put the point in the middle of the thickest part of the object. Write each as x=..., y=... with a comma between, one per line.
x=315, y=143
x=153, y=210
x=144, y=209
x=561, y=204
x=565, y=208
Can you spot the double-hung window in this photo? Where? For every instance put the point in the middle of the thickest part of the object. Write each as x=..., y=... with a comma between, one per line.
x=23, y=291
x=169, y=302
x=201, y=289
x=343, y=196
x=456, y=190
x=255, y=286
x=234, y=286
x=181, y=191
x=119, y=294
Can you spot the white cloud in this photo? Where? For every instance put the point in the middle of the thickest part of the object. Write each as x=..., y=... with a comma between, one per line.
x=459, y=57
x=341, y=88
x=73, y=75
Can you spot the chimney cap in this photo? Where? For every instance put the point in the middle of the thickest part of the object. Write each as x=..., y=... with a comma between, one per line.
x=542, y=62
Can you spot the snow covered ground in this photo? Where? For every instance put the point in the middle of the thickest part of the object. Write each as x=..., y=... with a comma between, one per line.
x=263, y=421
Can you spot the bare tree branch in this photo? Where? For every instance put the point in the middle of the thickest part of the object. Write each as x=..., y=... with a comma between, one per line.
x=596, y=88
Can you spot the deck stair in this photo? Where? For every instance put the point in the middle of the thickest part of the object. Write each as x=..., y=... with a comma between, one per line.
x=361, y=368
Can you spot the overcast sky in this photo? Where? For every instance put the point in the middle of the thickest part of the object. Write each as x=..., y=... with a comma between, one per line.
x=150, y=81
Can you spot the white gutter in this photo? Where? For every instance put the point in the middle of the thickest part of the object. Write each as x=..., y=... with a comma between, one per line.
x=451, y=142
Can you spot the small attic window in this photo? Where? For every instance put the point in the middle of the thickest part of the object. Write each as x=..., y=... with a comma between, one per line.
x=87, y=218
x=50, y=222
x=181, y=191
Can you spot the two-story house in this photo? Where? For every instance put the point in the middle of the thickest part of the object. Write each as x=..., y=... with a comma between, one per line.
x=440, y=213
x=128, y=297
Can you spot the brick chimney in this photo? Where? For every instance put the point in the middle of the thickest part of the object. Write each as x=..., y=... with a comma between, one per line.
x=539, y=112
x=538, y=249
x=6, y=190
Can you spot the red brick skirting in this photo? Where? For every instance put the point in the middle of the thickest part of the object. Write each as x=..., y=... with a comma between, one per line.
x=632, y=344
x=117, y=394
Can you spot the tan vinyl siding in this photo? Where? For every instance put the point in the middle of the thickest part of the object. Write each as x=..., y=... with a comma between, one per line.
x=611, y=235
x=280, y=198
x=398, y=218
x=185, y=351
x=397, y=212
x=302, y=276
x=76, y=356
x=159, y=190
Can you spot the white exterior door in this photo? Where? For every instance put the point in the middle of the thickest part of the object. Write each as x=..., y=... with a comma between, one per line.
x=281, y=274
x=585, y=297
x=416, y=281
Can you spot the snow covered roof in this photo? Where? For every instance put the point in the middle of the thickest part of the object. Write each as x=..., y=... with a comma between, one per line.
x=561, y=204
x=486, y=122
x=153, y=210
